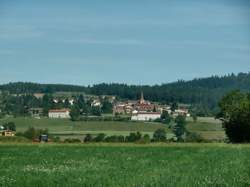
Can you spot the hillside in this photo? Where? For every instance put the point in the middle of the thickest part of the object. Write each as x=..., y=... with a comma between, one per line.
x=203, y=93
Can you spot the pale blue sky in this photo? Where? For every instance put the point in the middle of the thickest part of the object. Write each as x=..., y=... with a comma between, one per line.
x=132, y=41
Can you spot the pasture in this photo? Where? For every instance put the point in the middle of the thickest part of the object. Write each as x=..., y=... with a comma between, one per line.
x=208, y=128
x=124, y=165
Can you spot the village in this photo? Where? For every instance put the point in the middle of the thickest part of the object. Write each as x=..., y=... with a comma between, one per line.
x=138, y=110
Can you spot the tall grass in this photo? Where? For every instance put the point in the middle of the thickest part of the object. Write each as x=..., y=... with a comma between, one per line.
x=128, y=165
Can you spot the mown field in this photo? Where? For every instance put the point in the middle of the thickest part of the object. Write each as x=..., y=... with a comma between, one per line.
x=208, y=128
x=124, y=165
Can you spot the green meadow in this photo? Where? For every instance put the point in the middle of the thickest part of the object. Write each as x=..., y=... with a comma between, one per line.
x=208, y=128
x=125, y=165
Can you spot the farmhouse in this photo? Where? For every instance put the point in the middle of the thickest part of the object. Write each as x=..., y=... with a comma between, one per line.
x=145, y=116
x=59, y=113
x=7, y=133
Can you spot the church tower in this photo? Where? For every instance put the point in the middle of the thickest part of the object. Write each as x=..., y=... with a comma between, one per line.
x=142, y=101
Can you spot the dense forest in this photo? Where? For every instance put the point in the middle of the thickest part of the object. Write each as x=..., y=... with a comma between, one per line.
x=203, y=93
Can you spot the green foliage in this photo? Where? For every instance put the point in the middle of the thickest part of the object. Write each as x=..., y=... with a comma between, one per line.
x=115, y=138
x=107, y=107
x=88, y=138
x=179, y=127
x=159, y=135
x=99, y=138
x=32, y=133
x=133, y=137
x=174, y=106
x=13, y=139
x=72, y=140
x=75, y=113
x=96, y=111
x=203, y=94
x=235, y=114
x=165, y=117
x=193, y=137
x=10, y=126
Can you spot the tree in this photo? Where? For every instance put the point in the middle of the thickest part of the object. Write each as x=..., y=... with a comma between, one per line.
x=179, y=127
x=194, y=116
x=165, y=117
x=159, y=135
x=75, y=113
x=32, y=133
x=133, y=137
x=107, y=107
x=88, y=138
x=174, y=106
x=100, y=137
x=10, y=126
x=96, y=111
x=235, y=115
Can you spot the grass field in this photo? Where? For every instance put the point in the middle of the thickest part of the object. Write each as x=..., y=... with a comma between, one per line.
x=208, y=128
x=124, y=165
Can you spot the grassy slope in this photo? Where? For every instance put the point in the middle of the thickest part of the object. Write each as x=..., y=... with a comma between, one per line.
x=125, y=165
x=207, y=127
x=63, y=126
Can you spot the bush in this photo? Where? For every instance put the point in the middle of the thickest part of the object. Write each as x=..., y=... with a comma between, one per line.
x=32, y=133
x=56, y=139
x=115, y=139
x=193, y=137
x=133, y=137
x=99, y=138
x=13, y=139
x=73, y=140
x=159, y=135
x=88, y=138
x=144, y=140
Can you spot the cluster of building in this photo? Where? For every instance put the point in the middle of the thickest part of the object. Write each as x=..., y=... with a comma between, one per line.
x=139, y=110
x=143, y=110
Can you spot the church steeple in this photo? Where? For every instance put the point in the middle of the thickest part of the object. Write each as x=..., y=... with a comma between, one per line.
x=142, y=98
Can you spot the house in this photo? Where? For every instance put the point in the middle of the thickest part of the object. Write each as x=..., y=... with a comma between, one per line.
x=36, y=112
x=7, y=133
x=145, y=116
x=181, y=112
x=59, y=113
x=38, y=95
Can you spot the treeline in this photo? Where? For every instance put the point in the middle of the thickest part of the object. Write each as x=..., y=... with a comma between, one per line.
x=203, y=93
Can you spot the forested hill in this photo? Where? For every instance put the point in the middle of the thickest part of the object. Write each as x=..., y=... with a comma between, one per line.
x=204, y=91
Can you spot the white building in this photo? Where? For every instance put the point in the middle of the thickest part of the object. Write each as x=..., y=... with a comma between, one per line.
x=145, y=116
x=59, y=113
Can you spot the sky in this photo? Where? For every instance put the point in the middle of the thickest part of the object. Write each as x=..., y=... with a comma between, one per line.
x=87, y=42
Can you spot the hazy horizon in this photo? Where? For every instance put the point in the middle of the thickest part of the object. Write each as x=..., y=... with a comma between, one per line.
x=135, y=42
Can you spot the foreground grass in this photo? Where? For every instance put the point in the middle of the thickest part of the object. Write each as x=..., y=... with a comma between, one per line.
x=124, y=165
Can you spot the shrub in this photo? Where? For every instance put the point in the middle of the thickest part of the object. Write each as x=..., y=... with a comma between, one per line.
x=32, y=133
x=114, y=138
x=88, y=138
x=133, y=137
x=99, y=138
x=159, y=135
x=144, y=140
x=73, y=140
x=193, y=137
